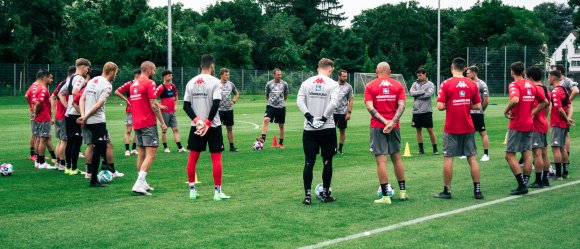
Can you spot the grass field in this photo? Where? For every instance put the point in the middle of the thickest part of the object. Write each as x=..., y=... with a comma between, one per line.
x=47, y=209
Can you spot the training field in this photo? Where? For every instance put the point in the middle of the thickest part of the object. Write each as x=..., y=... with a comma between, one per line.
x=47, y=209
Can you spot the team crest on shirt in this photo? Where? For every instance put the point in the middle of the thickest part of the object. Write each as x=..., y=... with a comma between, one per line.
x=529, y=91
x=461, y=93
x=385, y=90
x=318, y=88
x=135, y=90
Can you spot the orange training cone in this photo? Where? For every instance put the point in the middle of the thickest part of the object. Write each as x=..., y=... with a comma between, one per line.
x=274, y=141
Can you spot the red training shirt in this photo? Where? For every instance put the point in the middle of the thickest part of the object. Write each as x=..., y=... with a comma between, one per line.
x=30, y=95
x=124, y=89
x=60, y=109
x=142, y=90
x=42, y=96
x=558, y=95
x=167, y=93
x=541, y=118
x=458, y=94
x=526, y=91
x=385, y=93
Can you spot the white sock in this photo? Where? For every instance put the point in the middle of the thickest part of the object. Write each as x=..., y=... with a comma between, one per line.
x=218, y=188
x=142, y=175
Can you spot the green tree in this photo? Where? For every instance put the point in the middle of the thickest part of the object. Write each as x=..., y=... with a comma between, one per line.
x=246, y=15
x=557, y=19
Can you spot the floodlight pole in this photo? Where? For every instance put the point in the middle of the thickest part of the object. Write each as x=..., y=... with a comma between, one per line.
x=438, y=43
x=169, y=48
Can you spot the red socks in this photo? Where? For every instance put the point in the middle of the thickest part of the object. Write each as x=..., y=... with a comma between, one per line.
x=216, y=161
x=191, y=163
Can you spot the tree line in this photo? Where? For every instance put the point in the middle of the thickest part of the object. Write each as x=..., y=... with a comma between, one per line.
x=261, y=34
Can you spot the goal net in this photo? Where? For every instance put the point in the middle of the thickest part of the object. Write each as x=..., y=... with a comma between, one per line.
x=362, y=79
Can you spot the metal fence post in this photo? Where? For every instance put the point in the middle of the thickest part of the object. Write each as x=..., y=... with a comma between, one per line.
x=243, y=80
x=486, y=62
x=525, y=56
x=182, y=89
x=14, y=83
x=504, y=70
x=467, y=55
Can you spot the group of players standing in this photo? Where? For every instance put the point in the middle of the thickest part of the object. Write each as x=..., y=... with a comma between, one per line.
x=326, y=104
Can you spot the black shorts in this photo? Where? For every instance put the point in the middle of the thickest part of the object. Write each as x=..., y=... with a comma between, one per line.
x=422, y=120
x=321, y=141
x=276, y=115
x=72, y=128
x=478, y=122
x=213, y=138
x=98, y=132
x=340, y=121
x=227, y=117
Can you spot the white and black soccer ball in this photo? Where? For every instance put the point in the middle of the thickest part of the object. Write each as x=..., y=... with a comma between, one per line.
x=258, y=145
x=105, y=176
x=318, y=190
x=6, y=169
x=390, y=191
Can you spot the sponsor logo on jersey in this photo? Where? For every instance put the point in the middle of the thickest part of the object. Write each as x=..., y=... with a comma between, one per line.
x=199, y=81
x=319, y=81
x=385, y=83
x=462, y=84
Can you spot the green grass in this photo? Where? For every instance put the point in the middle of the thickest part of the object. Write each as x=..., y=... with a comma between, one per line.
x=46, y=209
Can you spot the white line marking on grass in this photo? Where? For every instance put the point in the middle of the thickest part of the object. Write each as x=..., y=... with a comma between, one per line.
x=256, y=126
x=431, y=217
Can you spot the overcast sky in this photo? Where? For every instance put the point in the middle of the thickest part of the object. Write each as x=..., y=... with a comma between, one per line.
x=355, y=7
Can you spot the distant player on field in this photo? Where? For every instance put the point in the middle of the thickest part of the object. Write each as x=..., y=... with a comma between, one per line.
x=276, y=95
x=520, y=111
x=143, y=95
x=60, y=123
x=477, y=116
x=344, y=108
x=317, y=99
x=66, y=95
x=422, y=90
x=29, y=96
x=92, y=106
x=540, y=131
x=42, y=116
x=167, y=92
x=457, y=96
x=230, y=95
x=123, y=93
x=559, y=123
x=572, y=88
x=201, y=103
x=385, y=101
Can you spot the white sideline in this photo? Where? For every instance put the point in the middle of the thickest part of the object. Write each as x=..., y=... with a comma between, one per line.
x=431, y=217
x=256, y=126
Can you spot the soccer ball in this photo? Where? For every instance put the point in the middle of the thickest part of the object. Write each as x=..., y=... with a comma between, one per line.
x=390, y=191
x=105, y=176
x=258, y=145
x=6, y=169
x=318, y=190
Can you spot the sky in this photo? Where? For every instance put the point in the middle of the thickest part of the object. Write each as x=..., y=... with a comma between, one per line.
x=355, y=7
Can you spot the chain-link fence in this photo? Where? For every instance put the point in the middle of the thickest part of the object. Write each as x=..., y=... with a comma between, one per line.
x=16, y=78
x=494, y=63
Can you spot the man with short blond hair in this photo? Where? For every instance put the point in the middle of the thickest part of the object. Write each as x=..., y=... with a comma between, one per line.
x=230, y=95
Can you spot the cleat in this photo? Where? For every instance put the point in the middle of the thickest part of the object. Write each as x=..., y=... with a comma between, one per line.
x=546, y=182
x=38, y=165
x=559, y=178
x=325, y=198
x=127, y=153
x=307, y=200
x=81, y=155
x=234, y=149
x=339, y=152
x=436, y=152
x=182, y=150
x=484, y=158
x=33, y=158
x=67, y=171
x=138, y=189
x=147, y=187
x=220, y=196
x=443, y=195
x=536, y=185
x=193, y=194
x=47, y=166
x=281, y=146
x=259, y=139
x=519, y=191
x=134, y=152
x=384, y=200
x=53, y=160
x=478, y=195
x=462, y=157
x=87, y=176
x=166, y=150
x=76, y=172
x=61, y=167
x=565, y=175
x=118, y=174
x=97, y=185
x=403, y=195
x=421, y=152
